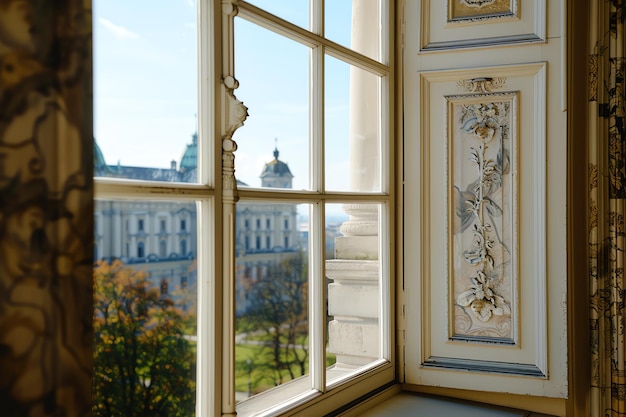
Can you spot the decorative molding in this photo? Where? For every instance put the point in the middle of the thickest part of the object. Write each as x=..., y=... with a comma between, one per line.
x=477, y=3
x=483, y=212
x=500, y=23
x=481, y=85
x=235, y=111
x=446, y=343
x=516, y=369
x=478, y=11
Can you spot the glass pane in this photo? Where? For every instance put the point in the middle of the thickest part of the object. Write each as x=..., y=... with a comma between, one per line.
x=273, y=75
x=145, y=89
x=272, y=345
x=145, y=301
x=352, y=129
x=294, y=11
x=354, y=292
x=356, y=24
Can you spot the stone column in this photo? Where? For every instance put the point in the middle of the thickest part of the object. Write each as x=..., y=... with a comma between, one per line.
x=354, y=293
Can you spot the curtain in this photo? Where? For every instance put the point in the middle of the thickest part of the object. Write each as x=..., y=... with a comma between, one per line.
x=46, y=209
x=607, y=186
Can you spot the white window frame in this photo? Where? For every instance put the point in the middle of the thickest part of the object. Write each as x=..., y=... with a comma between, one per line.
x=215, y=198
x=320, y=398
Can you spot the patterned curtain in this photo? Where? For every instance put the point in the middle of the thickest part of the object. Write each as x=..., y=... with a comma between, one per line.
x=46, y=209
x=607, y=185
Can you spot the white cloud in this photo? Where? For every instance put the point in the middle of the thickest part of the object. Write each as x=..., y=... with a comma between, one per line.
x=118, y=31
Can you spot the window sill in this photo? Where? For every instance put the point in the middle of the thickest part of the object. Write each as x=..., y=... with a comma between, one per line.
x=345, y=385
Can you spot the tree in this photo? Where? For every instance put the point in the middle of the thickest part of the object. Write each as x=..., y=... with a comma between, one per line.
x=144, y=364
x=279, y=308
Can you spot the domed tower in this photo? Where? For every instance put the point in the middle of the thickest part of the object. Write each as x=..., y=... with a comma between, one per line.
x=100, y=167
x=189, y=161
x=276, y=174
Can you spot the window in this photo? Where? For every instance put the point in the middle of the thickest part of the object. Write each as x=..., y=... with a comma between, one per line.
x=146, y=102
x=330, y=110
x=331, y=120
x=162, y=249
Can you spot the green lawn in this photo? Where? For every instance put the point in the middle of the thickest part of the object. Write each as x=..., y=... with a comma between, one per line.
x=260, y=371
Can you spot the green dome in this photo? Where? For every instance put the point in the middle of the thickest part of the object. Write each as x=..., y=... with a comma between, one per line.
x=99, y=164
x=189, y=160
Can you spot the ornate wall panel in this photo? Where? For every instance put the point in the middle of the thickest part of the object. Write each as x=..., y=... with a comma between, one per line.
x=469, y=23
x=483, y=296
x=481, y=139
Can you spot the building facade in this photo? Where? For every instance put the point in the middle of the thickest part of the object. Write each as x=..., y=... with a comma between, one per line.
x=160, y=238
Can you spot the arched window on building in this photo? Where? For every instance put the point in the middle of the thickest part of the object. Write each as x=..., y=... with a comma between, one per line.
x=140, y=250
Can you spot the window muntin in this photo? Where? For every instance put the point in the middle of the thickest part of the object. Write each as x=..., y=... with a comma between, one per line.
x=294, y=11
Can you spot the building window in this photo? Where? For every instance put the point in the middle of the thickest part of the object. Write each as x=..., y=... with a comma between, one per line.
x=140, y=225
x=162, y=249
x=246, y=224
x=140, y=250
x=286, y=242
x=183, y=225
x=164, y=287
x=267, y=224
x=183, y=282
x=268, y=243
x=258, y=223
x=183, y=247
x=163, y=226
x=286, y=224
x=258, y=243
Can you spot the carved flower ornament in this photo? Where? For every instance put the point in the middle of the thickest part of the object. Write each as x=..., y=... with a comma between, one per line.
x=482, y=300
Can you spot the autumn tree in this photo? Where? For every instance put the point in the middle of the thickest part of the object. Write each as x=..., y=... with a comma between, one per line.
x=144, y=359
x=279, y=308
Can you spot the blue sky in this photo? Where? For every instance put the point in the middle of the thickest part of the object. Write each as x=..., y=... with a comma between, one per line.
x=145, y=87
